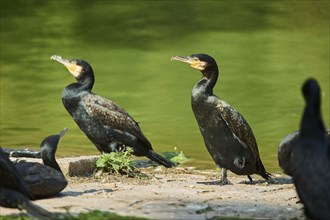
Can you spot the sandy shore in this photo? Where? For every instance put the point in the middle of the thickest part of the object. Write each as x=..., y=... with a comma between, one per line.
x=178, y=193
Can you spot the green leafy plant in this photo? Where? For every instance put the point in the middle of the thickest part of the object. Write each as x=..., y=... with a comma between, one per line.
x=117, y=162
x=175, y=156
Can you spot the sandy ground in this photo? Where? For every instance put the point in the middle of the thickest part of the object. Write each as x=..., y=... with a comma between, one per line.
x=177, y=193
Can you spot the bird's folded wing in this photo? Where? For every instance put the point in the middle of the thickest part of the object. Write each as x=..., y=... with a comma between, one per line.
x=239, y=127
x=10, y=178
x=112, y=115
x=105, y=103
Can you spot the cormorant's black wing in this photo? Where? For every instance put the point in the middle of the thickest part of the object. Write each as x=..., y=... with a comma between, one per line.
x=239, y=127
x=14, y=193
x=10, y=178
x=112, y=115
x=243, y=132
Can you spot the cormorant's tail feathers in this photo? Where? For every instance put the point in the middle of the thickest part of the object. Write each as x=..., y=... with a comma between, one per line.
x=262, y=171
x=159, y=159
x=265, y=174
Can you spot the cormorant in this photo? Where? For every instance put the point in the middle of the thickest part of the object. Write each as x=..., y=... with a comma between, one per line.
x=227, y=136
x=108, y=126
x=310, y=162
x=14, y=193
x=285, y=150
x=46, y=179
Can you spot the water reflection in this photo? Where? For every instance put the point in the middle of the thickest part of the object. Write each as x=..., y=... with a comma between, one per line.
x=265, y=51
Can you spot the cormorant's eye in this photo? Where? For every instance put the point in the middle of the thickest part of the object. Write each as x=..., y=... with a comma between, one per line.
x=195, y=59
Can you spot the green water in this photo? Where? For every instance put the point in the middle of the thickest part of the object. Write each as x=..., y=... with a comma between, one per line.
x=265, y=51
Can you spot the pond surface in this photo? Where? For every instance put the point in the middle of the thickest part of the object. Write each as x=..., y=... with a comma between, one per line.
x=265, y=51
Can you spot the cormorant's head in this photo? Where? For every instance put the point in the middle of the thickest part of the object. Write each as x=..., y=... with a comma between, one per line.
x=78, y=68
x=49, y=144
x=311, y=89
x=202, y=62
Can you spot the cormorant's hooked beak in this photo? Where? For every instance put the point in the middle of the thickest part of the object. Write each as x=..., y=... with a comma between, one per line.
x=193, y=61
x=74, y=69
x=182, y=59
x=62, y=133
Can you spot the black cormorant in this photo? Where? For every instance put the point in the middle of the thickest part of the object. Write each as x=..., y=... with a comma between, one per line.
x=285, y=150
x=108, y=126
x=310, y=162
x=14, y=193
x=227, y=136
x=46, y=179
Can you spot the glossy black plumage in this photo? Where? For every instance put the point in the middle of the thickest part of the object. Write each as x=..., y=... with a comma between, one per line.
x=285, y=150
x=14, y=193
x=310, y=162
x=46, y=179
x=227, y=136
x=108, y=126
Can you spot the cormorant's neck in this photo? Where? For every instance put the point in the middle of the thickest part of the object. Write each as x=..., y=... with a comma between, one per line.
x=208, y=81
x=86, y=83
x=48, y=159
x=312, y=124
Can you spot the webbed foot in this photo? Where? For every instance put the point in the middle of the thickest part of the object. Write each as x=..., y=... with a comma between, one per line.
x=224, y=180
